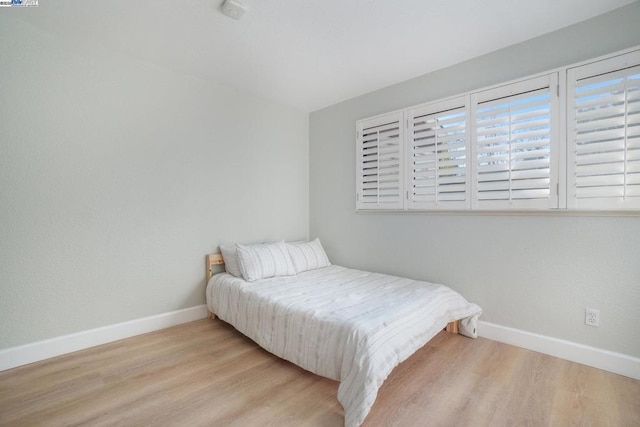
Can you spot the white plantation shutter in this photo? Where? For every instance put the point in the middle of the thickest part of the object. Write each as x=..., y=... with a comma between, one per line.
x=379, y=155
x=515, y=145
x=437, y=155
x=604, y=134
x=500, y=148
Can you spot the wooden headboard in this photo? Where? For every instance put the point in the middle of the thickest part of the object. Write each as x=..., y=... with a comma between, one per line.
x=212, y=260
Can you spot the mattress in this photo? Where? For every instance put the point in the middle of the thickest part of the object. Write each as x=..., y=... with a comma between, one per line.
x=348, y=325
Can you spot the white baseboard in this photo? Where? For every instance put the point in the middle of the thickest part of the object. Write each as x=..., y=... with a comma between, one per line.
x=40, y=350
x=617, y=363
x=602, y=359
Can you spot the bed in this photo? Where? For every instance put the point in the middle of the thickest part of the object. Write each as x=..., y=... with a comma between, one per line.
x=348, y=325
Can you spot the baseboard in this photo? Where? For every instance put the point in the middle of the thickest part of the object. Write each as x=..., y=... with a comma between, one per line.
x=617, y=363
x=29, y=353
x=40, y=350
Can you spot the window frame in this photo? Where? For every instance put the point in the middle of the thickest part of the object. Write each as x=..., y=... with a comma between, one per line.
x=371, y=123
x=507, y=91
x=560, y=156
x=435, y=109
x=613, y=65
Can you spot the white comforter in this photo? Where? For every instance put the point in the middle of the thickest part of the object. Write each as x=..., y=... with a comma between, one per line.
x=348, y=325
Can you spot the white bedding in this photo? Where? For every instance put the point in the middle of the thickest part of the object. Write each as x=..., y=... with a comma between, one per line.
x=348, y=325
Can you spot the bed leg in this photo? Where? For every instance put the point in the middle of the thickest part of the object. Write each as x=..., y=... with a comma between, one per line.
x=453, y=327
x=211, y=315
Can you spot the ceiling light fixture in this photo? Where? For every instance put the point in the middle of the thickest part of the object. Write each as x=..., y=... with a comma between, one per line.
x=233, y=9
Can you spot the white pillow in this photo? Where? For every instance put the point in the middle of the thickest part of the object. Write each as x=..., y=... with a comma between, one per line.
x=265, y=260
x=308, y=255
x=231, y=261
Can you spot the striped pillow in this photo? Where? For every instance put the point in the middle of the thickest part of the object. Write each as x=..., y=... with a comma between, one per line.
x=264, y=260
x=308, y=255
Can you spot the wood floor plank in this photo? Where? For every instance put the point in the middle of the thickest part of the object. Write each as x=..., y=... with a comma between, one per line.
x=206, y=373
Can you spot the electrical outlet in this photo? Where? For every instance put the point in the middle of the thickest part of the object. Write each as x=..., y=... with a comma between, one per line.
x=592, y=317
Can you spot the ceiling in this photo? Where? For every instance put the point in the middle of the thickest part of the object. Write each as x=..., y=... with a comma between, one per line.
x=310, y=54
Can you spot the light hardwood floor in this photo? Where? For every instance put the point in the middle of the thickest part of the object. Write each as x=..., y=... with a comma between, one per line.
x=205, y=373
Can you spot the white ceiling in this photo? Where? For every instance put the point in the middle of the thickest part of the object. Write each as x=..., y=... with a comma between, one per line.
x=310, y=54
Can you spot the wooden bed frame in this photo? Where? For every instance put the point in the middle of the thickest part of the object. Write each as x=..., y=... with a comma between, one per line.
x=216, y=259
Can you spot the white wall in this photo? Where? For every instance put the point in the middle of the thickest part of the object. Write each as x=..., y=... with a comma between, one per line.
x=117, y=177
x=534, y=273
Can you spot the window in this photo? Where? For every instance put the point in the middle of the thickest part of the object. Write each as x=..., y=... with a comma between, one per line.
x=438, y=156
x=502, y=149
x=380, y=167
x=491, y=150
x=515, y=145
x=603, y=126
